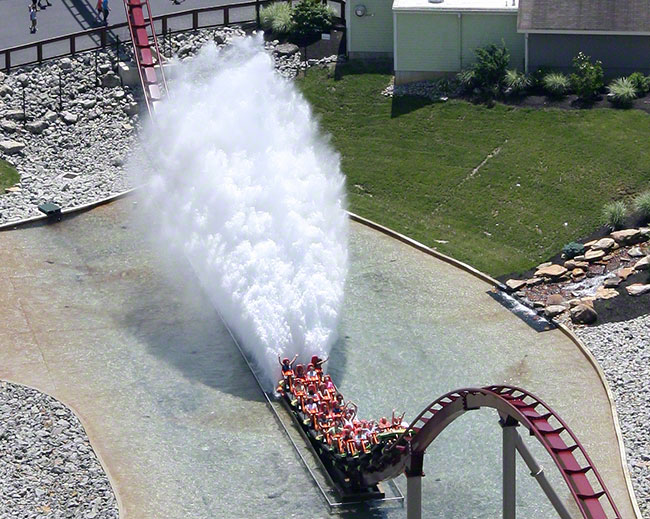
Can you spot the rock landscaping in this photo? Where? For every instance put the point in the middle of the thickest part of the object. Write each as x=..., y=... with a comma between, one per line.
x=80, y=125
x=610, y=267
x=47, y=465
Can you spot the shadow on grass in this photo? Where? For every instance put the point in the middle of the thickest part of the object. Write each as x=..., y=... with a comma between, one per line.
x=406, y=104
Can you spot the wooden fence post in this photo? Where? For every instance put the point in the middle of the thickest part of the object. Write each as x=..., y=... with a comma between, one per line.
x=257, y=13
x=226, y=16
x=73, y=45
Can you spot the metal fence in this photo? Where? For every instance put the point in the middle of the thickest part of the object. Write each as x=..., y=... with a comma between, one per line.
x=165, y=24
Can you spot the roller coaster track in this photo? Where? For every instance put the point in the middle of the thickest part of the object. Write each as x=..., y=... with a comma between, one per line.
x=521, y=407
x=146, y=51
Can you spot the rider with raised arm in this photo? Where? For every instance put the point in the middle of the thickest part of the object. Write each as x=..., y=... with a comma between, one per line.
x=286, y=366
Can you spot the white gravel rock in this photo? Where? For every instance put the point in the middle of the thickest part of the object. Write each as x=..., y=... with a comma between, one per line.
x=623, y=351
x=47, y=465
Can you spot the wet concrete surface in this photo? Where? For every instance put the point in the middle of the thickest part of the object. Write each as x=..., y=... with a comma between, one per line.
x=93, y=314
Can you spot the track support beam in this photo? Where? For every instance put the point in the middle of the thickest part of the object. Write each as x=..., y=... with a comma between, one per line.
x=414, y=477
x=538, y=473
x=510, y=435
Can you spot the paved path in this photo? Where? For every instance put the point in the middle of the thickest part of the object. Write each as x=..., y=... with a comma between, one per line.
x=90, y=313
x=70, y=16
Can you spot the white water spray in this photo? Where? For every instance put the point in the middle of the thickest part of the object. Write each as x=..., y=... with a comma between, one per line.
x=253, y=195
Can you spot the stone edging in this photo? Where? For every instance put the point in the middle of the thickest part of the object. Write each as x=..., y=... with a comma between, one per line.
x=574, y=338
x=423, y=248
x=84, y=425
x=71, y=211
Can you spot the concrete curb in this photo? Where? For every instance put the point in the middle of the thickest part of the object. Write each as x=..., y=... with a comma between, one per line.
x=71, y=211
x=574, y=338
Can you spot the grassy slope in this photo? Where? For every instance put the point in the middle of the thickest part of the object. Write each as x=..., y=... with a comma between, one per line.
x=409, y=166
x=8, y=176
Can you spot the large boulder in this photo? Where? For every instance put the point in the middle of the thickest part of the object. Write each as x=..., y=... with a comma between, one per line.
x=5, y=90
x=642, y=264
x=554, y=310
x=14, y=115
x=637, y=289
x=554, y=299
x=604, y=244
x=69, y=118
x=286, y=49
x=593, y=255
x=583, y=314
x=111, y=80
x=626, y=236
x=11, y=147
x=8, y=126
x=515, y=284
x=550, y=271
x=37, y=127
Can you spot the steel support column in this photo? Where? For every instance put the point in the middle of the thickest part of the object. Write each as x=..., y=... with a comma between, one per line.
x=414, y=486
x=509, y=426
x=538, y=473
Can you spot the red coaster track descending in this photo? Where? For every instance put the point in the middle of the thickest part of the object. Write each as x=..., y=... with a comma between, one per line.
x=146, y=51
x=585, y=483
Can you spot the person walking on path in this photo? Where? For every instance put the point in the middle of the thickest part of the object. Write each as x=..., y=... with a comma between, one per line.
x=99, y=10
x=32, y=17
x=105, y=11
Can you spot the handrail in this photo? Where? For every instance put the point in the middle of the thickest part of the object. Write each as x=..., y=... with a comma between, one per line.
x=104, y=32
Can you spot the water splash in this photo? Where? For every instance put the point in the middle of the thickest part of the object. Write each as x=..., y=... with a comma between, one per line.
x=250, y=191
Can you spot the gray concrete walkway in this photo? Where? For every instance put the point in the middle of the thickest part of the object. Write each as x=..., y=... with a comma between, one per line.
x=92, y=314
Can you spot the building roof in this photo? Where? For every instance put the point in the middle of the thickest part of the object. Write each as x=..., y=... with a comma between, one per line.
x=591, y=16
x=507, y=6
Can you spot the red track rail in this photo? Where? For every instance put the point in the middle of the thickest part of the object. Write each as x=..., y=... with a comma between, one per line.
x=147, y=54
x=585, y=483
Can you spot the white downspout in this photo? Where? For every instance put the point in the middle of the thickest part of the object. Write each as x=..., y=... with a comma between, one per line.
x=526, y=53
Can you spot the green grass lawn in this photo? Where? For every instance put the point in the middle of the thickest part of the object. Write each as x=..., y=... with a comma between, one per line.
x=409, y=165
x=8, y=176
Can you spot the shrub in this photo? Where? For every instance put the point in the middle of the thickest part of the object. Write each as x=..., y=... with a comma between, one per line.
x=277, y=18
x=573, y=249
x=310, y=18
x=642, y=205
x=588, y=78
x=556, y=84
x=490, y=67
x=621, y=92
x=516, y=82
x=614, y=214
x=640, y=82
x=467, y=80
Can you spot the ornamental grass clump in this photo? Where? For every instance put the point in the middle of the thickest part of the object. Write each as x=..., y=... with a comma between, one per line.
x=277, y=18
x=621, y=92
x=556, y=84
x=614, y=215
x=642, y=205
x=516, y=82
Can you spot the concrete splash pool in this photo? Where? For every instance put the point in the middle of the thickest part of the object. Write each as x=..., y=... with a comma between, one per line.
x=91, y=314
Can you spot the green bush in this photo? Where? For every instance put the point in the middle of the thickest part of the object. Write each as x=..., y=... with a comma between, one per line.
x=310, y=18
x=614, y=214
x=621, y=92
x=516, y=82
x=588, y=78
x=467, y=80
x=641, y=83
x=277, y=18
x=573, y=249
x=490, y=67
x=556, y=84
x=642, y=205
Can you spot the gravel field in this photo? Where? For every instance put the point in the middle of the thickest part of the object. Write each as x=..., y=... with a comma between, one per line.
x=47, y=466
x=623, y=351
x=80, y=130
